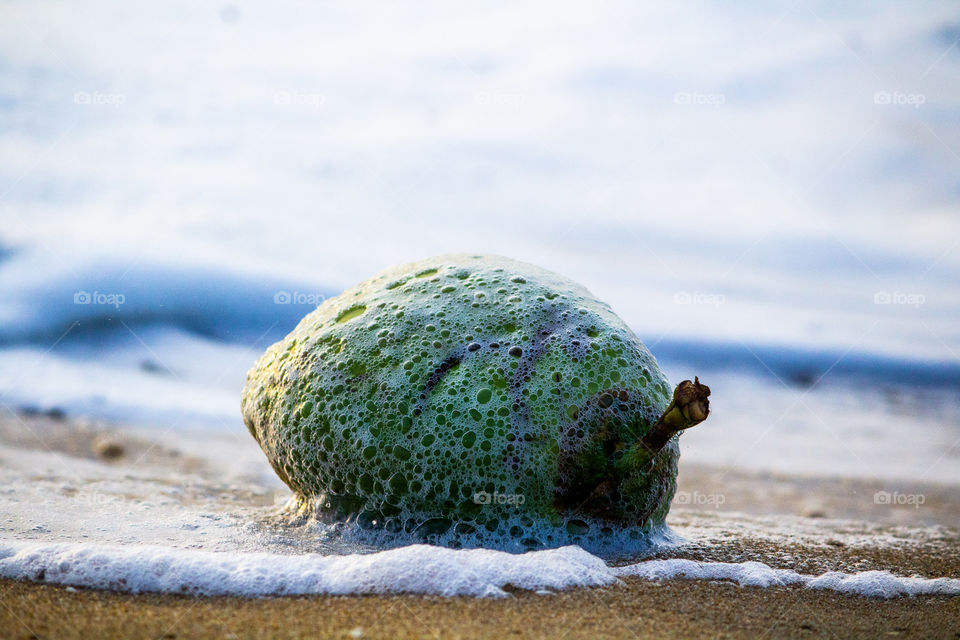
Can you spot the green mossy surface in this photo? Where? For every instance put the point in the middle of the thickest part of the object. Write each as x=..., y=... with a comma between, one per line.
x=401, y=400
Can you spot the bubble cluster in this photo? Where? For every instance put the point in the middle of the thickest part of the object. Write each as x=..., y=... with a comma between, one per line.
x=415, y=401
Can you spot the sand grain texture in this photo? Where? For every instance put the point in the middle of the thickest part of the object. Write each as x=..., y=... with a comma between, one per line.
x=635, y=609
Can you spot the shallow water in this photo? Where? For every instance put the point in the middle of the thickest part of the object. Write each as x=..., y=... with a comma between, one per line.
x=205, y=515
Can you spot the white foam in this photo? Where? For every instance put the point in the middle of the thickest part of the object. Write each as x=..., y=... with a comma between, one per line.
x=415, y=569
x=421, y=569
x=884, y=584
x=752, y=574
x=879, y=584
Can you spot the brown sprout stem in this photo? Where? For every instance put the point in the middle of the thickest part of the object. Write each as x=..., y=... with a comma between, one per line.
x=690, y=406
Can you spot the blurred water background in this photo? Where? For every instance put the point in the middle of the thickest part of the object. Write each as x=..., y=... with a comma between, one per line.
x=768, y=194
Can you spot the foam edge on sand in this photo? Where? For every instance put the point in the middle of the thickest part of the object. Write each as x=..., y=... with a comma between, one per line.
x=420, y=569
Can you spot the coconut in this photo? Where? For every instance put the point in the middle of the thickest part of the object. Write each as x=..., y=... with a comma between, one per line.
x=472, y=399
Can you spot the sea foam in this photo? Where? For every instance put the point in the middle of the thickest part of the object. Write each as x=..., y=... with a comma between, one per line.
x=420, y=569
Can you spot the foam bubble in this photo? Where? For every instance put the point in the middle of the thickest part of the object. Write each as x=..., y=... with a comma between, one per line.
x=879, y=584
x=422, y=569
x=415, y=569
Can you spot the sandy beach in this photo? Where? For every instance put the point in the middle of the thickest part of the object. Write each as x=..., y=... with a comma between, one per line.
x=635, y=609
x=809, y=524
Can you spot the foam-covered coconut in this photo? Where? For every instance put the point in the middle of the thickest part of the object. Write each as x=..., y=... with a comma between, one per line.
x=473, y=399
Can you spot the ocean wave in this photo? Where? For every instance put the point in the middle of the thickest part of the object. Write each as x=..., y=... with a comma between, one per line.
x=803, y=366
x=47, y=294
x=46, y=297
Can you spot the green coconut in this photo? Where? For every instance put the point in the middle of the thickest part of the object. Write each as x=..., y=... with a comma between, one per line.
x=474, y=396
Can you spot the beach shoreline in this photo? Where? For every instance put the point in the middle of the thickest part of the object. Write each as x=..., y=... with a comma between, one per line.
x=632, y=609
x=810, y=524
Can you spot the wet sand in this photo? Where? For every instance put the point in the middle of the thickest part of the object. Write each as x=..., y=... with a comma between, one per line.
x=635, y=609
x=811, y=525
